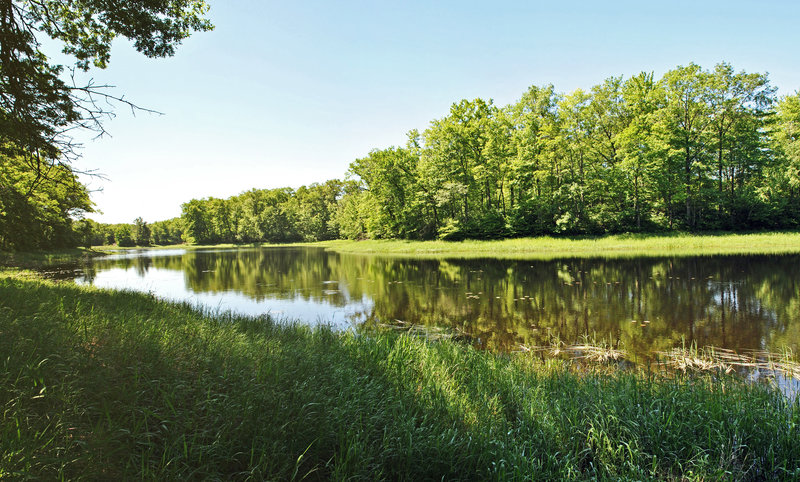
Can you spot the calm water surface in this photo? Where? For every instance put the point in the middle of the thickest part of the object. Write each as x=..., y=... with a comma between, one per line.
x=644, y=304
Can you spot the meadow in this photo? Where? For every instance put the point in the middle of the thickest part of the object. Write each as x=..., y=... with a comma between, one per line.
x=548, y=247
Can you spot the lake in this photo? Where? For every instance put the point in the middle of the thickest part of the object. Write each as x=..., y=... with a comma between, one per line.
x=644, y=304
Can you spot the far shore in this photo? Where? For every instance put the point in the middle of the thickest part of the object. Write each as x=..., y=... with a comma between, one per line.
x=622, y=245
x=544, y=247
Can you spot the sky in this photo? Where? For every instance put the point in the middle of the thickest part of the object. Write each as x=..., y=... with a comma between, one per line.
x=290, y=93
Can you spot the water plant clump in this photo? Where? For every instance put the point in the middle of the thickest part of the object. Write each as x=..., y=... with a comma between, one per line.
x=113, y=385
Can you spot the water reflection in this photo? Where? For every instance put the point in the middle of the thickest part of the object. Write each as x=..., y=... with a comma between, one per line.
x=641, y=304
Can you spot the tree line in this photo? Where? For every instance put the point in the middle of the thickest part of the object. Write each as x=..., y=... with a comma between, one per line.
x=694, y=150
x=282, y=215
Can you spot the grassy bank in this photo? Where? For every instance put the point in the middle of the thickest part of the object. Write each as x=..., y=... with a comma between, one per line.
x=104, y=385
x=667, y=244
x=661, y=244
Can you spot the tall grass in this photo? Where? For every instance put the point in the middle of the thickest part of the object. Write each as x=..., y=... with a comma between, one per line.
x=666, y=244
x=116, y=385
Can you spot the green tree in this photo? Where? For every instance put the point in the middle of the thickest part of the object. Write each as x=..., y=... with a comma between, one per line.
x=167, y=232
x=314, y=207
x=38, y=109
x=739, y=104
x=352, y=213
x=535, y=123
x=696, y=149
x=140, y=232
x=573, y=172
x=683, y=127
x=84, y=232
x=783, y=180
x=456, y=167
x=390, y=179
x=124, y=235
x=638, y=163
x=195, y=222
x=37, y=212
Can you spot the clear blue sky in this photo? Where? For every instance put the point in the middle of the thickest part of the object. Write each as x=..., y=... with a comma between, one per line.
x=289, y=93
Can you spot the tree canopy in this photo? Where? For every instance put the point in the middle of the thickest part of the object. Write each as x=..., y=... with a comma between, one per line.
x=38, y=108
x=695, y=150
x=41, y=106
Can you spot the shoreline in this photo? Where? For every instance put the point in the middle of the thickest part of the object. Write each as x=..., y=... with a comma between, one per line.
x=545, y=247
x=621, y=245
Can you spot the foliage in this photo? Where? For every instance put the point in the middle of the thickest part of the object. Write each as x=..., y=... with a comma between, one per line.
x=38, y=109
x=695, y=150
x=124, y=235
x=38, y=211
x=265, y=215
x=782, y=191
x=167, y=232
x=140, y=232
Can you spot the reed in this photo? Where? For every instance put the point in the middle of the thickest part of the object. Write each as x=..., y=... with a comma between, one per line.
x=118, y=385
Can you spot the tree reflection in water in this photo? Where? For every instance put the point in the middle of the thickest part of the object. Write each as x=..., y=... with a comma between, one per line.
x=642, y=304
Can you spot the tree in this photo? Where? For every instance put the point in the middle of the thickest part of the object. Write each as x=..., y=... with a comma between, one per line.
x=739, y=102
x=456, y=166
x=314, y=207
x=784, y=179
x=635, y=142
x=195, y=222
x=141, y=232
x=38, y=108
x=683, y=126
x=535, y=121
x=167, y=232
x=37, y=212
x=390, y=180
x=124, y=236
x=696, y=149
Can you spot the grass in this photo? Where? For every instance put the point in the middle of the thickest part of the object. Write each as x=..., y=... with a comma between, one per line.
x=117, y=385
x=664, y=244
x=545, y=247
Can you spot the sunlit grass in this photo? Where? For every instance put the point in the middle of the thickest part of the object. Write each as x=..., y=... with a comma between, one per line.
x=669, y=244
x=117, y=385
